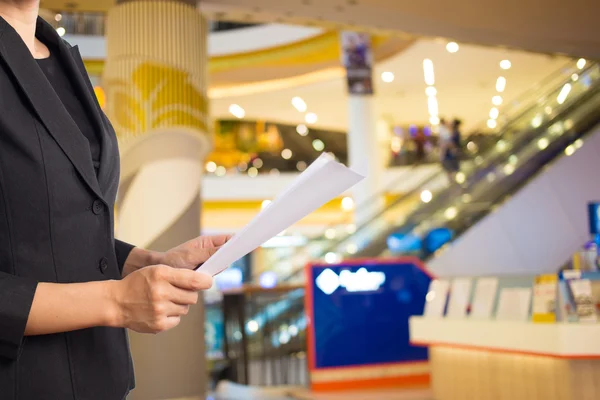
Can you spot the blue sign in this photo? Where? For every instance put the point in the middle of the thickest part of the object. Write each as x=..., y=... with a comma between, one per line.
x=594, y=218
x=360, y=312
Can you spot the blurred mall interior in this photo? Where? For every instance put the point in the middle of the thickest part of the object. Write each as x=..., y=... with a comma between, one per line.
x=465, y=265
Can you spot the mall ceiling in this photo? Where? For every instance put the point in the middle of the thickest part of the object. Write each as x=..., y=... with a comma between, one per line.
x=548, y=26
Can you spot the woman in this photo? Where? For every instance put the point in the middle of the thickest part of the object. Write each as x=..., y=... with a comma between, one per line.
x=68, y=289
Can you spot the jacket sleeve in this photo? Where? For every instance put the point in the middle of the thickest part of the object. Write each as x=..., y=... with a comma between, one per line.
x=16, y=298
x=122, y=251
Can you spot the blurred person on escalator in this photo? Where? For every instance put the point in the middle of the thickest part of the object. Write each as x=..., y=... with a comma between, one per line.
x=420, y=141
x=448, y=150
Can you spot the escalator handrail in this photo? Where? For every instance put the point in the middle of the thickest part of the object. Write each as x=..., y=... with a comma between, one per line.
x=535, y=91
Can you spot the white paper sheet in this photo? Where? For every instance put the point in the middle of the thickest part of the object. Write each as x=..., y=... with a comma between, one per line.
x=436, y=298
x=460, y=294
x=324, y=180
x=483, y=300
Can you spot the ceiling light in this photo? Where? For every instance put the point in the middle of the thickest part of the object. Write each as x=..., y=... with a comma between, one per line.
x=497, y=100
x=258, y=163
x=578, y=143
x=430, y=91
x=460, y=177
x=387, y=77
x=58, y=17
x=472, y=146
x=494, y=113
x=299, y=104
x=501, y=84
x=310, y=118
x=543, y=143
x=318, y=145
x=301, y=166
x=574, y=77
x=242, y=166
x=509, y=169
x=536, y=122
x=581, y=63
x=347, y=204
x=570, y=150
x=274, y=172
x=302, y=130
x=61, y=31
x=211, y=166
x=505, y=64
x=452, y=47
x=548, y=110
x=432, y=105
x=426, y=196
x=286, y=154
x=451, y=213
x=434, y=120
x=330, y=233
x=564, y=92
x=237, y=111
x=428, y=72
x=252, y=172
x=501, y=145
x=492, y=124
x=221, y=171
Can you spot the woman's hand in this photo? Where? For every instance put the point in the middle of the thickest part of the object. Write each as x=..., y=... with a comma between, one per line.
x=186, y=256
x=194, y=252
x=153, y=299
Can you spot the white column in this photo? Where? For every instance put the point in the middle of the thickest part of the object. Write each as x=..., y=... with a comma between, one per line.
x=365, y=156
x=156, y=86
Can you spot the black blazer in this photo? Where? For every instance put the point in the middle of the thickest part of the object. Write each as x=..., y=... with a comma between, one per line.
x=56, y=225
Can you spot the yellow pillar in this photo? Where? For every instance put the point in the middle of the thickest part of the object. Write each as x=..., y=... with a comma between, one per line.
x=155, y=83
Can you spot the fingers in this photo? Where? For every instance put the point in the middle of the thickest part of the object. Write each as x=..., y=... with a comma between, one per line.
x=200, y=256
x=187, y=279
x=162, y=325
x=177, y=310
x=220, y=240
x=183, y=297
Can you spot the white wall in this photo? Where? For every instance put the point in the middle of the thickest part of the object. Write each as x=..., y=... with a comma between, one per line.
x=538, y=229
x=219, y=43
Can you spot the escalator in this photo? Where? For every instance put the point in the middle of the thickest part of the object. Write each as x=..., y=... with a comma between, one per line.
x=537, y=134
x=560, y=118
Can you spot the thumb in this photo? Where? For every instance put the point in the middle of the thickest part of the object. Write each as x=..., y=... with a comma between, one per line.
x=199, y=256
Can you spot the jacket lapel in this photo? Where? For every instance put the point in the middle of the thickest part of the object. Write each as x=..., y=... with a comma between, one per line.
x=75, y=67
x=46, y=103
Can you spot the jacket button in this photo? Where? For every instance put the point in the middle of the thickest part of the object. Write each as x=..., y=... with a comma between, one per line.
x=97, y=207
x=103, y=264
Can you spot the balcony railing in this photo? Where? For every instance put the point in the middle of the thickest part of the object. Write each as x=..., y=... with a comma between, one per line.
x=94, y=24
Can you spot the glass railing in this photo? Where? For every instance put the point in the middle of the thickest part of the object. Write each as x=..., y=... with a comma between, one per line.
x=544, y=115
x=94, y=24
